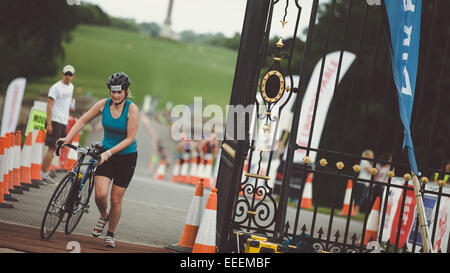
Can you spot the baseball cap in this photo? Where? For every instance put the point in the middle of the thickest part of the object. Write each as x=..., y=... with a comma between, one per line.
x=69, y=68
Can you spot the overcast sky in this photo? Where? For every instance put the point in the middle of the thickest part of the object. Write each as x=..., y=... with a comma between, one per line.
x=202, y=16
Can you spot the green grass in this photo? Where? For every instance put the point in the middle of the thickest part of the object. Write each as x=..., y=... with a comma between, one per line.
x=175, y=71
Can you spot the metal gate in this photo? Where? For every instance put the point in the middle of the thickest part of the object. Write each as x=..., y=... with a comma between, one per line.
x=260, y=178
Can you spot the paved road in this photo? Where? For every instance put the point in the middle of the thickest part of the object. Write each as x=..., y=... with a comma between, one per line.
x=154, y=212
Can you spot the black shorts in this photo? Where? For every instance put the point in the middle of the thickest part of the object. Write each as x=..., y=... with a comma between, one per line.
x=119, y=168
x=59, y=131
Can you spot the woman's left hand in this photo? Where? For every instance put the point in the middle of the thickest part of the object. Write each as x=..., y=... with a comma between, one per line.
x=103, y=157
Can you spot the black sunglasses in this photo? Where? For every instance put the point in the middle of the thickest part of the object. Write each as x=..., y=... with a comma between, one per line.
x=68, y=74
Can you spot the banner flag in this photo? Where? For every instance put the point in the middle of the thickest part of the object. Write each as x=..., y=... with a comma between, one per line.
x=326, y=90
x=404, y=20
x=12, y=105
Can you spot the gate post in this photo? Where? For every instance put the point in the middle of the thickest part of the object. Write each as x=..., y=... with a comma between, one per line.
x=234, y=151
x=292, y=145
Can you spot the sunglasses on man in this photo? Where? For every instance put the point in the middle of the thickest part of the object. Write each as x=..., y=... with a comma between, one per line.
x=68, y=74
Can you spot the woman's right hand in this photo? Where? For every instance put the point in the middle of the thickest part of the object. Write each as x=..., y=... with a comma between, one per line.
x=64, y=140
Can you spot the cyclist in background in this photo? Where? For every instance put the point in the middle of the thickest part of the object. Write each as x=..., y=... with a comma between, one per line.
x=120, y=118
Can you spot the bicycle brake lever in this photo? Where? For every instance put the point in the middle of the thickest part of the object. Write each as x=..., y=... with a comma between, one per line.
x=59, y=144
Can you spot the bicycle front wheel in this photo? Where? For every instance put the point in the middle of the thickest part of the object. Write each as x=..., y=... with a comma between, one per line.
x=80, y=204
x=55, y=210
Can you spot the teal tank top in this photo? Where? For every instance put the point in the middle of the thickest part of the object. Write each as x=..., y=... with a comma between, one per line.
x=115, y=130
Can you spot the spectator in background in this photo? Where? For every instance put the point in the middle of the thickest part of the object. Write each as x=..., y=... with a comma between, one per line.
x=381, y=176
x=210, y=145
x=445, y=175
x=58, y=105
x=364, y=173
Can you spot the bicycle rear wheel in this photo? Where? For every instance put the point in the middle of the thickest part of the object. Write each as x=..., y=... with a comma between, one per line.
x=80, y=203
x=55, y=210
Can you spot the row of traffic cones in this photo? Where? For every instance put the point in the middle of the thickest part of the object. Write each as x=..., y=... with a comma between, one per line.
x=306, y=201
x=19, y=167
x=192, y=173
x=199, y=233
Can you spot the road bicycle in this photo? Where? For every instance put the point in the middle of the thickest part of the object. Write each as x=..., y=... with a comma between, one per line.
x=72, y=194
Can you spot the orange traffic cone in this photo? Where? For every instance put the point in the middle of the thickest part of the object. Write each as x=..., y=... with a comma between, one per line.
x=4, y=168
x=65, y=150
x=16, y=162
x=7, y=177
x=372, y=223
x=201, y=167
x=205, y=242
x=159, y=175
x=192, y=225
x=245, y=169
x=25, y=162
x=176, y=171
x=54, y=163
x=348, y=194
x=184, y=169
x=11, y=154
x=193, y=178
x=3, y=204
x=72, y=156
x=36, y=158
x=208, y=170
x=307, y=193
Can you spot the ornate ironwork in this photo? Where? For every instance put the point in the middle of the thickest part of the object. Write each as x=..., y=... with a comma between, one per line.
x=256, y=208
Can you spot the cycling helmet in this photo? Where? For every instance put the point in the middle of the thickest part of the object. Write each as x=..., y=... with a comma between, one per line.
x=118, y=81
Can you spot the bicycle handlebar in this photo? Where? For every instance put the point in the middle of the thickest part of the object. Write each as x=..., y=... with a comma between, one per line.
x=60, y=144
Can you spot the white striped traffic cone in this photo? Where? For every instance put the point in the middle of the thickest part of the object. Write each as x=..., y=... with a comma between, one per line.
x=208, y=170
x=176, y=171
x=16, y=163
x=205, y=242
x=72, y=155
x=11, y=155
x=54, y=163
x=193, y=178
x=25, y=162
x=192, y=225
x=348, y=194
x=3, y=204
x=307, y=193
x=245, y=169
x=36, y=158
x=372, y=223
x=5, y=168
x=201, y=168
x=184, y=169
x=159, y=175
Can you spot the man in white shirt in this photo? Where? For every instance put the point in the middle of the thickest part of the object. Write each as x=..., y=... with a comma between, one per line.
x=58, y=105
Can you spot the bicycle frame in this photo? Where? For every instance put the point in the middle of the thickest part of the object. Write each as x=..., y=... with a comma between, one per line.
x=91, y=165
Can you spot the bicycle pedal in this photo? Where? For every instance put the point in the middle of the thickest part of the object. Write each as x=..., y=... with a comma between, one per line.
x=86, y=211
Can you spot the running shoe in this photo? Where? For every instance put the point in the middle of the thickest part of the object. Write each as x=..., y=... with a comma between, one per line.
x=109, y=242
x=98, y=229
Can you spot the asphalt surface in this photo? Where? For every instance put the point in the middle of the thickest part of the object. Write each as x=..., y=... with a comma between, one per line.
x=153, y=214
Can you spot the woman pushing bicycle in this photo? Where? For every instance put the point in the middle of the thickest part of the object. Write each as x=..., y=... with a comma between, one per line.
x=120, y=118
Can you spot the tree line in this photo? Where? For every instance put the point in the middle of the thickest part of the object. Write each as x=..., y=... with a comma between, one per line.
x=32, y=34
